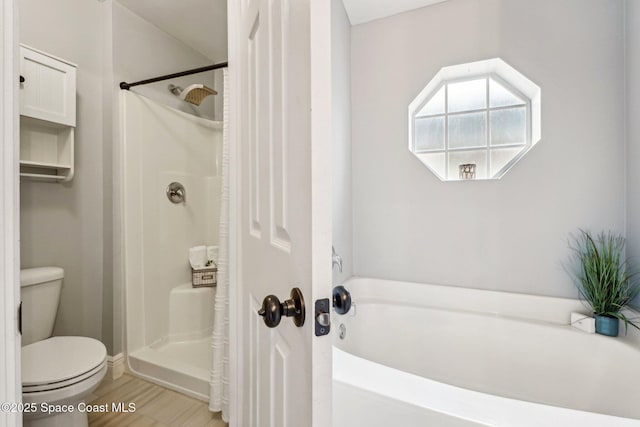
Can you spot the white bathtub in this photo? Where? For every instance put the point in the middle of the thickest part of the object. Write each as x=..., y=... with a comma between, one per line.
x=423, y=355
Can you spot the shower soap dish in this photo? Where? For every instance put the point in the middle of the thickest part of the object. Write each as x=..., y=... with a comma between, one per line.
x=206, y=276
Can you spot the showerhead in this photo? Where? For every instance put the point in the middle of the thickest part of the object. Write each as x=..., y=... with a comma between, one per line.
x=193, y=94
x=196, y=93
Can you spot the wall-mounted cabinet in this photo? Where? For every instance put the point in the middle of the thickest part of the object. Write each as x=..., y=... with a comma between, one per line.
x=48, y=91
x=47, y=116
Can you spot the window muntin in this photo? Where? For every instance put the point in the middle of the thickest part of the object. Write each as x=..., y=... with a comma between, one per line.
x=464, y=122
x=480, y=120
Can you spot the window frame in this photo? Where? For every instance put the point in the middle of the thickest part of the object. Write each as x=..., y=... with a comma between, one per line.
x=504, y=75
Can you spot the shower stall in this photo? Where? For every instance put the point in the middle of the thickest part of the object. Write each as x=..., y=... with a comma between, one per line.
x=168, y=321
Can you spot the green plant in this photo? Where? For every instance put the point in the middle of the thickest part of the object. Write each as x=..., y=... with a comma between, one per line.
x=602, y=274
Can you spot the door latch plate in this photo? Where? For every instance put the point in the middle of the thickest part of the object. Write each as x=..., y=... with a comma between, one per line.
x=323, y=326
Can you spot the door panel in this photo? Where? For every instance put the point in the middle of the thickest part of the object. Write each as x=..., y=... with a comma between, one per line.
x=278, y=245
x=279, y=137
x=255, y=71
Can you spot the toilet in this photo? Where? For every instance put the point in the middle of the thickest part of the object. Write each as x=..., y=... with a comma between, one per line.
x=58, y=373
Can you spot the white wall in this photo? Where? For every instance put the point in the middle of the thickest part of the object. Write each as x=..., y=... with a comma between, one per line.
x=633, y=129
x=141, y=50
x=341, y=149
x=163, y=146
x=509, y=234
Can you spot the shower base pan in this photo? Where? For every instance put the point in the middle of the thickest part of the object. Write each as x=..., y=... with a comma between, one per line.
x=183, y=366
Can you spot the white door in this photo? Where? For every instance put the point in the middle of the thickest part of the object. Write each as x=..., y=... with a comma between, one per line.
x=10, y=378
x=284, y=215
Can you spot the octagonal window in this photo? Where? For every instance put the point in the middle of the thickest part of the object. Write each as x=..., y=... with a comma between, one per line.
x=474, y=121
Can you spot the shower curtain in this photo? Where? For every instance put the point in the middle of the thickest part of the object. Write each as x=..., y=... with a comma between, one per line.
x=219, y=384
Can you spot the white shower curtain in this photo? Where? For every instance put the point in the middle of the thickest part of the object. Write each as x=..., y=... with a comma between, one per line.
x=219, y=384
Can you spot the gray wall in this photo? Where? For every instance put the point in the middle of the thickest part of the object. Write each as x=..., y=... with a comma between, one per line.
x=633, y=130
x=509, y=234
x=141, y=51
x=62, y=224
x=341, y=140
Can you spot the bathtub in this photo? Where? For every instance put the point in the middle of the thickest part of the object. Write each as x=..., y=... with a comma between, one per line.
x=424, y=355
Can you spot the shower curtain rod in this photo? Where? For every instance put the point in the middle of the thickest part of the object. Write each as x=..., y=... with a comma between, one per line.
x=127, y=86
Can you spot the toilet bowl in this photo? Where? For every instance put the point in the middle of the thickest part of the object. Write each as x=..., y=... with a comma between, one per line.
x=58, y=373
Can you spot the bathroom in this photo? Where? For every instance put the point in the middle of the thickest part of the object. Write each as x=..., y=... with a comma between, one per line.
x=110, y=42
x=403, y=225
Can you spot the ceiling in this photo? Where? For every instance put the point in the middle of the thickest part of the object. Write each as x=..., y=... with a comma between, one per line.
x=200, y=24
x=361, y=11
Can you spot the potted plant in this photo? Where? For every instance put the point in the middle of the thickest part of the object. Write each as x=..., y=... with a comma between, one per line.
x=604, y=279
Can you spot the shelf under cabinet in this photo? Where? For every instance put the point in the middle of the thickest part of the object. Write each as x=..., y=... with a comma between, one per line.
x=46, y=150
x=44, y=165
x=43, y=176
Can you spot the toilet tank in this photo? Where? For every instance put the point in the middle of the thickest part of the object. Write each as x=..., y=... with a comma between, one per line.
x=40, y=294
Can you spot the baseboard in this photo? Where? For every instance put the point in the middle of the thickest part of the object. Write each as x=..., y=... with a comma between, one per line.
x=115, y=366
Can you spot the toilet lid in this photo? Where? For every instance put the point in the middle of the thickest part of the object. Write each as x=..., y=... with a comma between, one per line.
x=59, y=359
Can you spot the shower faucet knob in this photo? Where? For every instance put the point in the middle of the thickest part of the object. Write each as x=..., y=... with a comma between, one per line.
x=176, y=193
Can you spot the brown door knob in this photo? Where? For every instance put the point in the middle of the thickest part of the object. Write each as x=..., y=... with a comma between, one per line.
x=273, y=310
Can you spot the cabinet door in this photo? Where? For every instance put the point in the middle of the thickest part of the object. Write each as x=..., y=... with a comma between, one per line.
x=49, y=90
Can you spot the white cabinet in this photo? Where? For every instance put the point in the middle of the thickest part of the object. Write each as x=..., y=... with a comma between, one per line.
x=49, y=88
x=47, y=116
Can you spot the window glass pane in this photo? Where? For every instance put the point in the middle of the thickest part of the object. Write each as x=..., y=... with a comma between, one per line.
x=499, y=96
x=467, y=130
x=435, y=161
x=509, y=126
x=500, y=157
x=465, y=96
x=477, y=157
x=429, y=134
x=435, y=104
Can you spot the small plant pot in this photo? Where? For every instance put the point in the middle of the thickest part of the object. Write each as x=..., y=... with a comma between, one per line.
x=607, y=325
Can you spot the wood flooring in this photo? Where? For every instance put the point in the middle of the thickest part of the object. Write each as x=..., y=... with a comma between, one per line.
x=155, y=406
